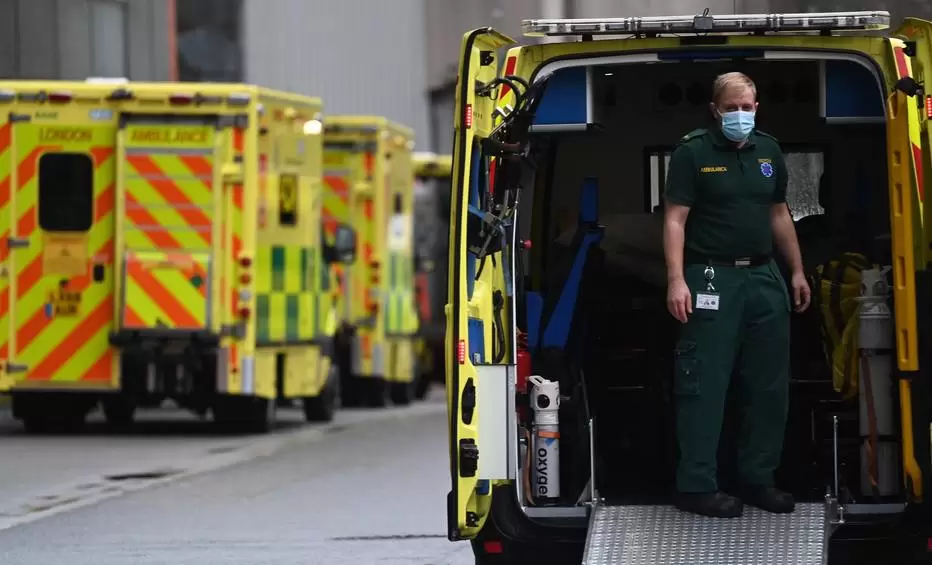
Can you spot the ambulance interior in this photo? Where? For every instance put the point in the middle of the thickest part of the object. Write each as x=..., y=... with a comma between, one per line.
x=613, y=354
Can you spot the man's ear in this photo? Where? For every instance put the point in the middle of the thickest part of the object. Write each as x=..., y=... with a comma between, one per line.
x=713, y=109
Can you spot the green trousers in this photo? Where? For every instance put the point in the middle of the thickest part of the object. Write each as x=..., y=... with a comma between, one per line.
x=749, y=331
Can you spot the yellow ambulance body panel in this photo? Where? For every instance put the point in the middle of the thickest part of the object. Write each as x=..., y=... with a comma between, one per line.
x=370, y=183
x=137, y=273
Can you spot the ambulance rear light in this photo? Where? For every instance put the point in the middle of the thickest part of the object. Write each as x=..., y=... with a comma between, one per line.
x=245, y=278
x=492, y=546
x=467, y=117
x=705, y=23
x=181, y=99
x=244, y=295
x=461, y=352
x=929, y=107
x=245, y=261
x=244, y=312
x=60, y=97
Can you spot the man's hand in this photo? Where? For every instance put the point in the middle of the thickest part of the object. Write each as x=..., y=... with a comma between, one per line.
x=801, y=292
x=680, y=300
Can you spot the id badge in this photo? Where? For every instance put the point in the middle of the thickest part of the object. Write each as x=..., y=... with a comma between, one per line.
x=707, y=301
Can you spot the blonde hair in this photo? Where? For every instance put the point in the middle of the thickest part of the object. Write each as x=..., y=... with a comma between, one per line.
x=727, y=81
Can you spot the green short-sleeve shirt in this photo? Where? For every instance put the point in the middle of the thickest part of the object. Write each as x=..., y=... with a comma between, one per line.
x=730, y=191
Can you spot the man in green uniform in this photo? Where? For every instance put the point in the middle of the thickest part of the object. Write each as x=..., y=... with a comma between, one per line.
x=726, y=209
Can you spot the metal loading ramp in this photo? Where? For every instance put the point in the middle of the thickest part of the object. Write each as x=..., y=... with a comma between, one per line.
x=663, y=535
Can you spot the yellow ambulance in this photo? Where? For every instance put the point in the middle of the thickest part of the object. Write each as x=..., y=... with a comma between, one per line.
x=559, y=346
x=431, y=243
x=160, y=241
x=369, y=181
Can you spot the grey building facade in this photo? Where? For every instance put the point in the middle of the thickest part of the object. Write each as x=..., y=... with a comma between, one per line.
x=76, y=39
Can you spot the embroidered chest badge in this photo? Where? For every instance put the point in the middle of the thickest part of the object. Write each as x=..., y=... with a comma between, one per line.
x=766, y=168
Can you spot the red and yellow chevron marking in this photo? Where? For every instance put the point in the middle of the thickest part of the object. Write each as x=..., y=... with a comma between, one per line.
x=57, y=348
x=232, y=220
x=363, y=271
x=336, y=202
x=169, y=206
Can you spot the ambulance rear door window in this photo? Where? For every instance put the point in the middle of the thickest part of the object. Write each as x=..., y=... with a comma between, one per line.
x=66, y=192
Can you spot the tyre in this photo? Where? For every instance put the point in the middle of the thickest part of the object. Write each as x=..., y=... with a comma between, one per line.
x=403, y=394
x=377, y=390
x=245, y=414
x=423, y=386
x=322, y=408
x=119, y=411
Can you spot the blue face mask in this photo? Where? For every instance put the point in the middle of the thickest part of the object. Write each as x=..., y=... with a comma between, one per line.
x=737, y=125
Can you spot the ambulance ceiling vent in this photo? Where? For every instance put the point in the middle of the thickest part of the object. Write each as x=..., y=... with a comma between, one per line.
x=706, y=23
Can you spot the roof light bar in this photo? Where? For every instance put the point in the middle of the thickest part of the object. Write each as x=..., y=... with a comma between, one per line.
x=705, y=23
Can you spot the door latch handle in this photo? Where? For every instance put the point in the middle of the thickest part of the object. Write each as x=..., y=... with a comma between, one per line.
x=98, y=273
x=17, y=242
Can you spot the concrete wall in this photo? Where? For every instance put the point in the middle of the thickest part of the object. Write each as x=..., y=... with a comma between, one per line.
x=359, y=56
x=74, y=39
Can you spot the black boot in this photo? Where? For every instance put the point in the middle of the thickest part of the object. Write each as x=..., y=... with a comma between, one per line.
x=714, y=504
x=770, y=499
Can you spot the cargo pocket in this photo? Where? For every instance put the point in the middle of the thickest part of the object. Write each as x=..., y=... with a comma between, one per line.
x=782, y=284
x=685, y=369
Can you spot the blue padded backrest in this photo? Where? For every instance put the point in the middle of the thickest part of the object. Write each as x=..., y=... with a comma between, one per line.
x=556, y=329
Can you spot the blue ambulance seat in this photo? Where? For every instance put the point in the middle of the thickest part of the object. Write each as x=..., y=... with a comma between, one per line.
x=550, y=317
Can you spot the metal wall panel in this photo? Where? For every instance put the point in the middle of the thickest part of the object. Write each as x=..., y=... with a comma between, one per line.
x=359, y=56
x=53, y=39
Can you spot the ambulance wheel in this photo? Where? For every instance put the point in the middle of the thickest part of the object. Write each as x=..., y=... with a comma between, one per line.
x=261, y=415
x=119, y=411
x=403, y=393
x=378, y=391
x=351, y=390
x=56, y=418
x=423, y=386
x=245, y=414
x=322, y=408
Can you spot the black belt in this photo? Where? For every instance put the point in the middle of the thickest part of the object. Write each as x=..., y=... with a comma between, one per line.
x=726, y=261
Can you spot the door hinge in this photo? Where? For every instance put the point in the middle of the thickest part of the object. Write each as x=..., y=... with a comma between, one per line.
x=14, y=117
x=469, y=457
x=468, y=402
x=17, y=242
x=16, y=368
x=472, y=519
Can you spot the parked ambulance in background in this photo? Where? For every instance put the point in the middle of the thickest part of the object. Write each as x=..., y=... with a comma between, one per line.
x=137, y=268
x=369, y=183
x=559, y=355
x=431, y=244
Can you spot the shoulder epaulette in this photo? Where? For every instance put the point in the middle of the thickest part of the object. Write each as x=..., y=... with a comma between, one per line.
x=767, y=135
x=695, y=134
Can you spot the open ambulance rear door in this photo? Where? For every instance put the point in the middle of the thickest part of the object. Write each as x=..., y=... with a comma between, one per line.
x=904, y=164
x=481, y=445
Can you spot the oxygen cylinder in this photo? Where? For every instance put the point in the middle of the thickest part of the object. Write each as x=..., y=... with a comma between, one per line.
x=875, y=388
x=545, y=401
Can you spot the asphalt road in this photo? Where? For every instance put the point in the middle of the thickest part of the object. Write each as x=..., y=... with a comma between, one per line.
x=369, y=489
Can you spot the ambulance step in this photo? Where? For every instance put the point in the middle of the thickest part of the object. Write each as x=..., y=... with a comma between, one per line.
x=663, y=535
